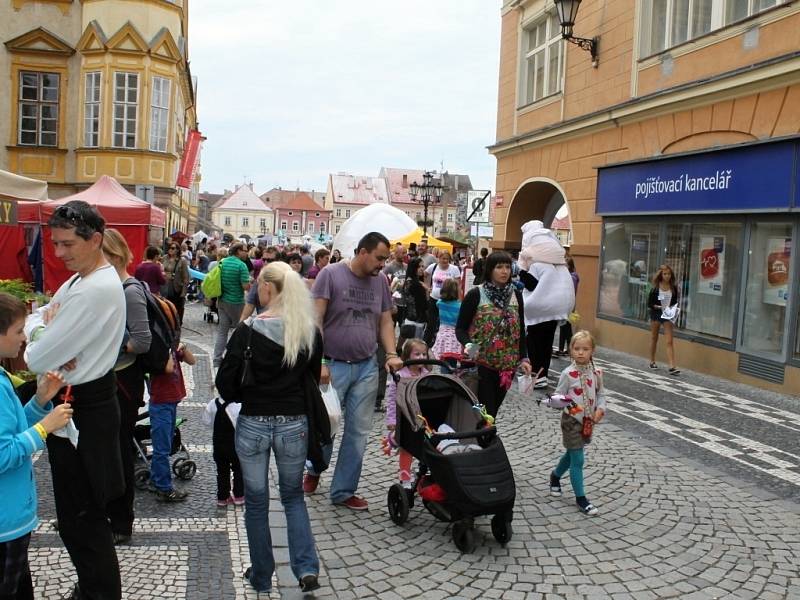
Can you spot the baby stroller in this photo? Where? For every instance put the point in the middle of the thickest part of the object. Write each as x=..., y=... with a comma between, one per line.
x=454, y=487
x=193, y=290
x=182, y=465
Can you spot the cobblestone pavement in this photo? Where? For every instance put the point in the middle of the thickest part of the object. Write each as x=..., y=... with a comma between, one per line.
x=691, y=507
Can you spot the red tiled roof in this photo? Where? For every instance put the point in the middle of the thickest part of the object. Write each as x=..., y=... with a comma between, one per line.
x=300, y=201
x=561, y=224
x=399, y=193
x=358, y=189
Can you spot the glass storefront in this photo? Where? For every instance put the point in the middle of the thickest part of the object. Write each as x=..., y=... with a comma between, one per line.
x=767, y=289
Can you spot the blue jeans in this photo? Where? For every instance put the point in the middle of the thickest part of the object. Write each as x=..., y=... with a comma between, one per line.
x=357, y=387
x=287, y=437
x=572, y=460
x=162, y=428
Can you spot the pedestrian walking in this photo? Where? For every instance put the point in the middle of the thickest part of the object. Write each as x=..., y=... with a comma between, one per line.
x=176, y=271
x=581, y=396
x=479, y=267
x=267, y=366
x=235, y=279
x=663, y=302
x=151, y=271
x=491, y=327
x=415, y=299
x=355, y=309
x=23, y=432
x=130, y=378
x=167, y=389
x=435, y=276
x=448, y=305
x=83, y=326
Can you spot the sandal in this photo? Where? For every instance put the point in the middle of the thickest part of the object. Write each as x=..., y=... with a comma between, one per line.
x=653, y=365
x=674, y=370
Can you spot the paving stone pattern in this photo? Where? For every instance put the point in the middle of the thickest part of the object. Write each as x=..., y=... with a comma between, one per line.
x=666, y=528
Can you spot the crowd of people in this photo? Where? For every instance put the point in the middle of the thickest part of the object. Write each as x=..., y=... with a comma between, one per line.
x=289, y=322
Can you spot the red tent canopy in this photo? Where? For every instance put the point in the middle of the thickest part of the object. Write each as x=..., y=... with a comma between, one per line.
x=123, y=211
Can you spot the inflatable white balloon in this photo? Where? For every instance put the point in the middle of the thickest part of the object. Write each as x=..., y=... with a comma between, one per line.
x=383, y=218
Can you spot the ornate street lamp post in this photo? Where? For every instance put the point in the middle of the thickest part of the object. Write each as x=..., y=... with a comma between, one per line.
x=427, y=192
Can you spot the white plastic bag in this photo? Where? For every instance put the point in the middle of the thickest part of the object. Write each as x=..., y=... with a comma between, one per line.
x=524, y=384
x=334, y=408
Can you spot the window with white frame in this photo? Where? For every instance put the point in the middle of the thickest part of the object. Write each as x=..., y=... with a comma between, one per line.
x=38, y=109
x=159, y=114
x=667, y=23
x=310, y=227
x=91, y=110
x=346, y=213
x=322, y=227
x=449, y=217
x=126, y=102
x=338, y=227
x=543, y=62
x=262, y=222
x=227, y=221
x=245, y=221
x=284, y=226
x=295, y=226
x=338, y=212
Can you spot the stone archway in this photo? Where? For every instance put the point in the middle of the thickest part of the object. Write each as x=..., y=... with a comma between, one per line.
x=536, y=198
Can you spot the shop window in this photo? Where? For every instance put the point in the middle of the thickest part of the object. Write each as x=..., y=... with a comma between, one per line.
x=38, y=108
x=542, y=61
x=706, y=261
x=630, y=252
x=767, y=288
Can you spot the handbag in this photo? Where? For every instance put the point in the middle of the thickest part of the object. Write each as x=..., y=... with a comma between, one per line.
x=332, y=405
x=248, y=378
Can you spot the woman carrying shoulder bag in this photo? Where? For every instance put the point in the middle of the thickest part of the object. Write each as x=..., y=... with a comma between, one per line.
x=271, y=362
x=663, y=301
x=491, y=319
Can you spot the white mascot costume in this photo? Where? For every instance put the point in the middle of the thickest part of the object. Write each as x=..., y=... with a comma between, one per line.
x=552, y=298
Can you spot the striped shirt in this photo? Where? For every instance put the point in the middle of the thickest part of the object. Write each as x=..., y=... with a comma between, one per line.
x=234, y=274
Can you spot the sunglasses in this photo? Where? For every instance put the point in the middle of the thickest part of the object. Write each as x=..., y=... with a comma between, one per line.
x=173, y=247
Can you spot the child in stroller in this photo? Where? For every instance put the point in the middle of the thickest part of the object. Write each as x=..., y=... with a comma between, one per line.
x=455, y=486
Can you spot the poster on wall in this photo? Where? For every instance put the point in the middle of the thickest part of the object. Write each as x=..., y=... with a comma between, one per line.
x=776, y=285
x=639, y=254
x=712, y=265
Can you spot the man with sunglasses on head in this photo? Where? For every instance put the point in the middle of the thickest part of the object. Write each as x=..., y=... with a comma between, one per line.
x=80, y=332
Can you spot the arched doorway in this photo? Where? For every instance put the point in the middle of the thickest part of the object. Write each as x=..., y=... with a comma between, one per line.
x=537, y=198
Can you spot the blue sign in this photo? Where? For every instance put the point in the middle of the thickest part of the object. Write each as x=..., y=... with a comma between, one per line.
x=761, y=177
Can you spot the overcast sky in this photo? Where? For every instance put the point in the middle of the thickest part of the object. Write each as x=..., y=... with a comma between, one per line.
x=291, y=90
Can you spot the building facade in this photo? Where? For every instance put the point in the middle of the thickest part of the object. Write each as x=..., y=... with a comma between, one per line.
x=659, y=153
x=347, y=194
x=300, y=216
x=243, y=214
x=101, y=87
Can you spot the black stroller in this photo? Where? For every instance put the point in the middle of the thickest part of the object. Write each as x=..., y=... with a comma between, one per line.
x=182, y=465
x=454, y=487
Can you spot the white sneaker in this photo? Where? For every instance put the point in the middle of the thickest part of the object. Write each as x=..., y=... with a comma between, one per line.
x=541, y=383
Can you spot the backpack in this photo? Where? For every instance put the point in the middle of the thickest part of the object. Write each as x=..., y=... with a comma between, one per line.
x=162, y=317
x=212, y=284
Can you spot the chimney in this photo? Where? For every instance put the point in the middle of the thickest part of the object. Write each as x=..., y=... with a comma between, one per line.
x=251, y=186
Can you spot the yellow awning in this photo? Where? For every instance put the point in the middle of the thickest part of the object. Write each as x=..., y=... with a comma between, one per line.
x=416, y=235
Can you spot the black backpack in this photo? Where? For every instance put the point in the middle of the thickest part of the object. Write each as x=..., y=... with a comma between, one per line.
x=164, y=331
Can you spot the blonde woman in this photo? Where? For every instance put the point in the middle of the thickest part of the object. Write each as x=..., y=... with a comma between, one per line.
x=284, y=348
x=130, y=379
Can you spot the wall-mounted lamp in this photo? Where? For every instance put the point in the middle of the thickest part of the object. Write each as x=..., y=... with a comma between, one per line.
x=567, y=11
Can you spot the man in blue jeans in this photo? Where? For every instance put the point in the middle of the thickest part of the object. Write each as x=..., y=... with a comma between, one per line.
x=355, y=310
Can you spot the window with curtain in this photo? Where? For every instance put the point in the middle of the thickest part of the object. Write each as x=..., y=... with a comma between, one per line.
x=159, y=114
x=542, y=62
x=38, y=109
x=91, y=110
x=126, y=104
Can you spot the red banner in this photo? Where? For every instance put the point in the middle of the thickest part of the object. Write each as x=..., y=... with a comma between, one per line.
x=190, y=160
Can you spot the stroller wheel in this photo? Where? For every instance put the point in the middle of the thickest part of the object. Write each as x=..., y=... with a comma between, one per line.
x=141, y=477
x=187, y=470
x=397, y=503
x=464, y=536
x=177, y=466
x=502, y=529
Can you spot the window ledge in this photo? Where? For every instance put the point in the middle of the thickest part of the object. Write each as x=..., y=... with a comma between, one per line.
x=26, y=148
x=726, y=32
x=540, y=103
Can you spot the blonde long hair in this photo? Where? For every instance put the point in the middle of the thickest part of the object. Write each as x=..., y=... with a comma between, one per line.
x=293, y=303
x=116, y=249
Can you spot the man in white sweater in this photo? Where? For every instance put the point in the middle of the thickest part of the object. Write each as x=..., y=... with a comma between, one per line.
x=80, y=332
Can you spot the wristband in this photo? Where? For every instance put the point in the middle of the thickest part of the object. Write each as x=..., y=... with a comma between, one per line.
x=40, y=430
x=390, y=355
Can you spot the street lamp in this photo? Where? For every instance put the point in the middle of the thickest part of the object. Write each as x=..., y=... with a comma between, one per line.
x=426, y=193
x=567, y=12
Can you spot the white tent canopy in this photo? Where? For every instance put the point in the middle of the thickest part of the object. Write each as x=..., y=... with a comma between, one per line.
x=383, y=218
x=198, y=237
x=22, y=188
